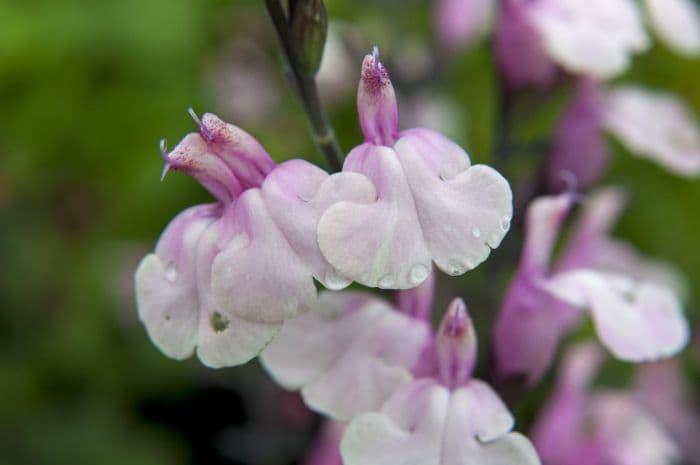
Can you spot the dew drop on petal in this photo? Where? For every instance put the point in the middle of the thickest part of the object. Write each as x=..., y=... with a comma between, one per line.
x=505, y=225
x=476, y=232
x=386, y=282
x=418, y=273
x=171, y=272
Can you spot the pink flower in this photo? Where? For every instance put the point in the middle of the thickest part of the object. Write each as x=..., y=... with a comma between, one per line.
x=518, y=48
x=583, y=427
x=651, y=124
x=655, y=125
x=352, y=350
x=447, y=419
x=636, y=318
x=225, y=276
x=663, y=391
x=458, y=23
x=677, y=23
x=430, y=204
x=579, y=152
x=595, y=38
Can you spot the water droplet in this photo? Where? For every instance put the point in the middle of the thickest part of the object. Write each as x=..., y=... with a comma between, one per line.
x=219, y=322
x=386, y=282
x=455, y=267
x=418, y=273
x=505, y=225
x=171, y=272
x=335, y=282
x=476, y=232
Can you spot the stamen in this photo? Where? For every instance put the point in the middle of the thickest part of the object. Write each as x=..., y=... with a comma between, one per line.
x=203, y=130
x=194, y=117
x=377, y=63
x=164, y=154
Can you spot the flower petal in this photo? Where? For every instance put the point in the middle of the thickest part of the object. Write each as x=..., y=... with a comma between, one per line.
x=528, y=331
x=477, y=412
x=408, y=430
x=377, y=244
x=510, y=449
x=463, y=211
x=677, y=23
x=348, y=355
x=667, y=393
x=257, y=276
x=519, y=50
x=166, y=285
x=424, y=423
x=636, y=321
x=635, y=436
x=309, y=344
x=543, y=222
x=378, y=362
x=595, y=37
x=460, y=22
x=418, y=301
x=296, y=194
x=655, y=125
x=224, y=339
x=579, y=154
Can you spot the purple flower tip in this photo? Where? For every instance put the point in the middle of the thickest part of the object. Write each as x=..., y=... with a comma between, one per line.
x=376, y=102
x=456, y=345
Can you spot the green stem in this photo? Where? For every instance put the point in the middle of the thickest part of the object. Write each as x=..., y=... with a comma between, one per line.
x=307, y=92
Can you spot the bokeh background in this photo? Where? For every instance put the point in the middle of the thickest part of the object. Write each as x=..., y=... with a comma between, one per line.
x=87, y=90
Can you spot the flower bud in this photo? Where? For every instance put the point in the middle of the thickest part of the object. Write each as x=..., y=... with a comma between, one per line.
x=309, y=26
x=224, y=158
x=376, y=102
x=456, y=346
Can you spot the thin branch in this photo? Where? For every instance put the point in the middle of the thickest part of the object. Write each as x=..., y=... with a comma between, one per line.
x=307, y=91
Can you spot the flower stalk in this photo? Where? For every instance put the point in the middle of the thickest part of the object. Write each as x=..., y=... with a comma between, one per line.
x=304, y=83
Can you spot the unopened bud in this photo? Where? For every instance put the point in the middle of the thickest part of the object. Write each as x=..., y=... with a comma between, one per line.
x=376, y=102
x=456, y=346
x=309, y=26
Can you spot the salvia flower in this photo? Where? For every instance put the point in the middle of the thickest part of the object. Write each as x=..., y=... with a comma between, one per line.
x=430, y=204
x=518, y=48
x=579, y=152
x=446, y=419
x=656, y=125
x=581, y=426
x=637, y=315
x=651, y=124
x=352, y=351
x=677, y=23
x=595, y=38
x=458, y=23
x=225, y=276
x=664, y=391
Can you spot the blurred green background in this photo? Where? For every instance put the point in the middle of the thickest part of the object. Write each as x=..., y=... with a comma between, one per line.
x=87, y=89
